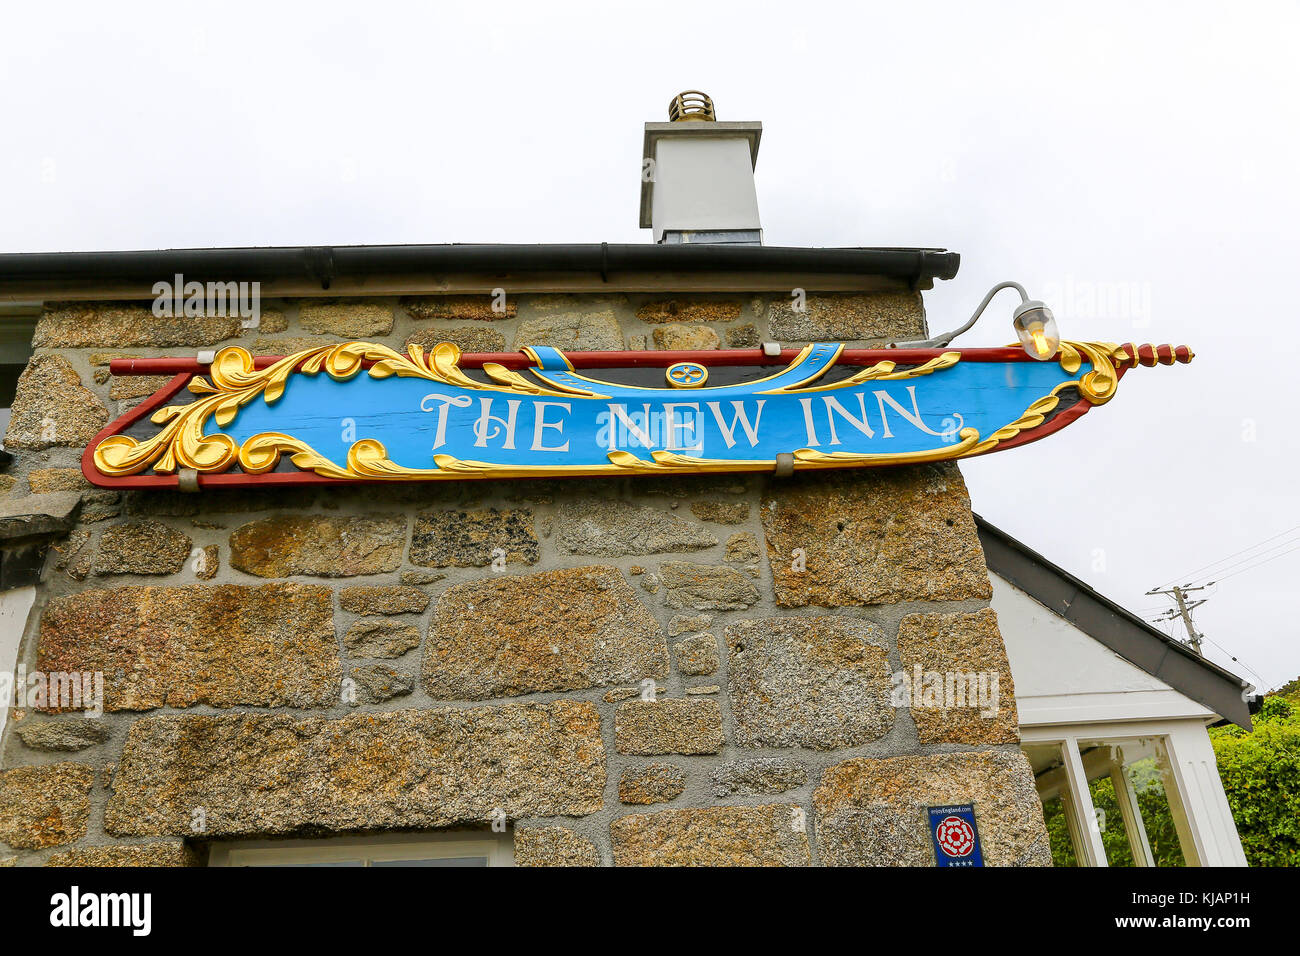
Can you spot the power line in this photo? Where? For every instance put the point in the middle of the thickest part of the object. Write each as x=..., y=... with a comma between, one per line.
x=1252, y=557
x=1236, y=660
x=1247, y=559
x=1212, y=564
x=1253, y=566
x=1184, y=610
x=1280, y=534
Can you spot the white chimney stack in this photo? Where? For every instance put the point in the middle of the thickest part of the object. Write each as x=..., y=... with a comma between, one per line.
x=697, y=176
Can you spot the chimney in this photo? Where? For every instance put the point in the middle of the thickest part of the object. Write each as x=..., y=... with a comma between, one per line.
x=697, y=176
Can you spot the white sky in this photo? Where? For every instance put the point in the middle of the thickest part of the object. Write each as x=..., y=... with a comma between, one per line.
x=1116, y=148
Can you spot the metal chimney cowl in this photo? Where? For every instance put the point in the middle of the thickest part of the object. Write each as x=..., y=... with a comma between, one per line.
x=697, y=182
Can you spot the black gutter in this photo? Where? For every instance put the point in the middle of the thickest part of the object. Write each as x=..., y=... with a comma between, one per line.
x=327, y=263
x=1118, y=629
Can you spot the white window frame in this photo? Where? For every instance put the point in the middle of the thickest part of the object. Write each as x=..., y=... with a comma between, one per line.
x=15, y=608
x=1200, y=810
x=17, y=326
x=498, y=848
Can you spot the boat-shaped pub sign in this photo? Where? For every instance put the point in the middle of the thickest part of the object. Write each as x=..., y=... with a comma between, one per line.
x=365, y=412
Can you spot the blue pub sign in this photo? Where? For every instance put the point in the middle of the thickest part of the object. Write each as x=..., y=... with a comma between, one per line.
x=955, y=835
x=361, y=411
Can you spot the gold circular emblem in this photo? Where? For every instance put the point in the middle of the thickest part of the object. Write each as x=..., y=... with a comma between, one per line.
x=687, y=375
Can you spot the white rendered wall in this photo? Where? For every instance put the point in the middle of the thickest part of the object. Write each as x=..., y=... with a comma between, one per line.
x=1063, y=676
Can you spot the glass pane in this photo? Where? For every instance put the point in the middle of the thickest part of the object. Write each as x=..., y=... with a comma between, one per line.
x=1126, y=778
x=331, y=863
x=1058, y=833
x=1053, y=790
x=1157, y=818
x=1115, y=836
x=436, y=861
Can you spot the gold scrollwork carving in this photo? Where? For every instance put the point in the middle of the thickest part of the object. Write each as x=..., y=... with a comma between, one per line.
x=236, y=381
x=888, y=372
x=1097, y=386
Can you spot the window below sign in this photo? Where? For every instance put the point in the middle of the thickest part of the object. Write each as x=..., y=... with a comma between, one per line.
x=415, y=849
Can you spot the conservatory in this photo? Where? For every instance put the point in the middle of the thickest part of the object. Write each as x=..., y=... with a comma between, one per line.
x=1113, y=717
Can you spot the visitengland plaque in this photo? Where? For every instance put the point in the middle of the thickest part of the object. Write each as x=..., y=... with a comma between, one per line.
x=955, y=836
x=365, y=412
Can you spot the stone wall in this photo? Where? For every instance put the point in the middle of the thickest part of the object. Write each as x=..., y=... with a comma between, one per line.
x=347, y=659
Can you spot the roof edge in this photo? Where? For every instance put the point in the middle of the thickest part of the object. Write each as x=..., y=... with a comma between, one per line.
x=1114, y=626
x=326, y=263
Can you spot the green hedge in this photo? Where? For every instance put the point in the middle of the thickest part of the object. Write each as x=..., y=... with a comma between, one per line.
x=1261, y=776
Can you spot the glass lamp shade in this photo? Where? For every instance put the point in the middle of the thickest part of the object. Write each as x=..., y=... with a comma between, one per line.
x=1036, y=329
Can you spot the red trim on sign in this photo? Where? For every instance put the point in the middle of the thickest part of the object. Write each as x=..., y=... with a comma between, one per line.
x=710, y=357
x=147, y=407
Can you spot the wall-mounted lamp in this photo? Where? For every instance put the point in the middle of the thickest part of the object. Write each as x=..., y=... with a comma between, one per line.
x=1036, y=329
x=1033, y=321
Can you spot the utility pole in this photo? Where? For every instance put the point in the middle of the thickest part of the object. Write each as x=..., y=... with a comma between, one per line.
x=1184, y=610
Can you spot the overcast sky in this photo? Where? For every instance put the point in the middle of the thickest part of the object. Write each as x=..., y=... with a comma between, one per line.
x=1133, y=164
